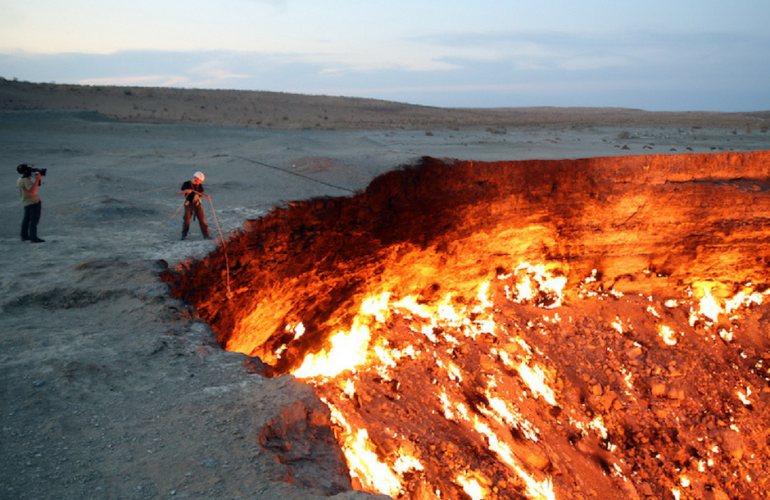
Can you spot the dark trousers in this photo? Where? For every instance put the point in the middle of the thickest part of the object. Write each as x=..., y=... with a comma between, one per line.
x=30, y=220
x=197, y=209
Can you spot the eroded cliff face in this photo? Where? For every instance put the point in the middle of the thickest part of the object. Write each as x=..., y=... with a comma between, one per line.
x=535, y=329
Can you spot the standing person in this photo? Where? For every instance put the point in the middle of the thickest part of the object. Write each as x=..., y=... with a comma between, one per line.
x=193, y=191
x=33, y=207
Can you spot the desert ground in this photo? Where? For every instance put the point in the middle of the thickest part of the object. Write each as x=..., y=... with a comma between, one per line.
x=111, y=388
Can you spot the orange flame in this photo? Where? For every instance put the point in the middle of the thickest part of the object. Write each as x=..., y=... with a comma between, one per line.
x=472, y=487
x=668, y=335
x=348, y=349
x=535, y=379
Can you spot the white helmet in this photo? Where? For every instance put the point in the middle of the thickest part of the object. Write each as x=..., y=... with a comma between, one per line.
x=200, y=176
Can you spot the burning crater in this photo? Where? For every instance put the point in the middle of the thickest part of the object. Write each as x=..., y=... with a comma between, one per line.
x=568, y=329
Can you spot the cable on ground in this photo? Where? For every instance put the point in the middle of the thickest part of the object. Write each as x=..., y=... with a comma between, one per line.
x=293, y=173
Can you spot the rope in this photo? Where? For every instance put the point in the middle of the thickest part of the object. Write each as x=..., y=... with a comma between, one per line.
x=177, y=211
x=142, y=192
x=224, y=248
x=293, y=173
x=111, y=197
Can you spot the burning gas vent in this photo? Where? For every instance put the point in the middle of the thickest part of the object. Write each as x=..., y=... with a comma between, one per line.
x=541, y=329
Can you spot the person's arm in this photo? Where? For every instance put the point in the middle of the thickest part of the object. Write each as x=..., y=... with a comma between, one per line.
x=200, y=192
x=34, y=185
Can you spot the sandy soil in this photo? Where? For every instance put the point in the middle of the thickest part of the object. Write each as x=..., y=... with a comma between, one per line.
x=111, y=388
x=282, y=111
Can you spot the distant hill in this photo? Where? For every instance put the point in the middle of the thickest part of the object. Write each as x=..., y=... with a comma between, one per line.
x=277, y=110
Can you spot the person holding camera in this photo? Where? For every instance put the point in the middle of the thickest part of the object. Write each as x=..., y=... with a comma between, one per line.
x=193, y=191
x=28, y=184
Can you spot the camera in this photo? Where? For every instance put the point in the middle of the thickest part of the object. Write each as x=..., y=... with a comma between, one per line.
x=27, y=170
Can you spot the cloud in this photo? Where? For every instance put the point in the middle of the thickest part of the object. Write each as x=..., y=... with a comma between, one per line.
x=697, y=72
x=139, y=81
x=215, y=71
x=575, y=52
